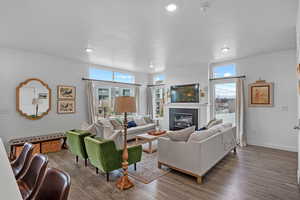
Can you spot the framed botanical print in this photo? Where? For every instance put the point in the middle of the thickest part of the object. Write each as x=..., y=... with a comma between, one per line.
x=260, y=94
x=66, y=92
x=66, y=106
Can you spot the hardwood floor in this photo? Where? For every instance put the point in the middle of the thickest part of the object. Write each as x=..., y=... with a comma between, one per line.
x=253, y=173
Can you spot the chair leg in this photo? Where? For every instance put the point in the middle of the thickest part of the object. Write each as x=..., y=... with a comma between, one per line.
x=97, y=170
x=85, y=162
x=76, y=159
x=107, y=176
x=234, y=150
x=134, y=166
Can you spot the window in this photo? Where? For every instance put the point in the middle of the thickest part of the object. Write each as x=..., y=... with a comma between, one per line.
x=107, y=75
x=159, y=78
x=101, y=74
x=124, y=78
x=106, y=99
x=224, y=71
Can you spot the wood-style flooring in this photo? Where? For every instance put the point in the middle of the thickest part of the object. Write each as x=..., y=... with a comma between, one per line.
x=253, y=173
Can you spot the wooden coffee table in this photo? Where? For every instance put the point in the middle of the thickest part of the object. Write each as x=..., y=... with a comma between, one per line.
x=148, y=139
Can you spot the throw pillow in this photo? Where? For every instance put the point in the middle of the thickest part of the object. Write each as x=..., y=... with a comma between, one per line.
x=214, y=123
x=105, y=123
x=182, y=135
x=140, y=121
x=119, y=120
x=202, y=129
x=116, y=124
x=148, y=120
x=131, y=124
x=200, y=135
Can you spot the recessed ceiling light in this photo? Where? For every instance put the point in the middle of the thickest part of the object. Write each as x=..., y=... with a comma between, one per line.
x=171, y=7
x=225, y=49
x=151, y=65
x=88, y=50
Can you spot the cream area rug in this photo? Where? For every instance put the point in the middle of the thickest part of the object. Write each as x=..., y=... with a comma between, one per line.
x=147, y=170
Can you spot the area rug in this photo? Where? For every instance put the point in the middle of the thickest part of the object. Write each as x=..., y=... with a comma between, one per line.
x=147, y=170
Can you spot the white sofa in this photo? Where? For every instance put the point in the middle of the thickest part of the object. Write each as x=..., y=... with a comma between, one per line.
x=107, y=129
x=196, y=158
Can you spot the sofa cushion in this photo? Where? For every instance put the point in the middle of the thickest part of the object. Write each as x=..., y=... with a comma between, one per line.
x=116, y=124
x=220, y=127
x=140, y=121
x=131, y=124
x=140, y=129
x=181, y=135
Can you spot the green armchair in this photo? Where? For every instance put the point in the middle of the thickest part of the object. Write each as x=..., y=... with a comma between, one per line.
x=75, y=141
x=104, y=155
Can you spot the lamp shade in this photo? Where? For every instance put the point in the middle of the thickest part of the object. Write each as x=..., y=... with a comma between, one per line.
x=125, y=104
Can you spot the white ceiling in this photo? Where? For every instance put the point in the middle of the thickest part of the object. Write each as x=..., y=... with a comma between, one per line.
x=129, y=34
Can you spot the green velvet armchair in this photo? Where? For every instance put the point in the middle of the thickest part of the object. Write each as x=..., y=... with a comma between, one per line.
x=75, y=141
x=104, y=155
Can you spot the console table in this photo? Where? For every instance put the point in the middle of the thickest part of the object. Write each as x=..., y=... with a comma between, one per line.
x=42, y=143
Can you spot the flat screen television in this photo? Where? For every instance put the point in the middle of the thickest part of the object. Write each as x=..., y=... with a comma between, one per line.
x=185, y=93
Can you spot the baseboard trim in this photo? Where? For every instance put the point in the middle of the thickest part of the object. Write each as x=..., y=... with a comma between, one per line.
x=272, y=146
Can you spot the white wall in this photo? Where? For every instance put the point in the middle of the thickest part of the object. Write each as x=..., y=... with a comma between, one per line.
x=272, y=127
x=16, y=66
x=186, y=74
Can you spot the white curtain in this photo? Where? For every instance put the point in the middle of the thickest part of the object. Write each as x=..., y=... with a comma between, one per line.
x=91, y=104
x=240, y=112
x=149, y=102
x=137, y=99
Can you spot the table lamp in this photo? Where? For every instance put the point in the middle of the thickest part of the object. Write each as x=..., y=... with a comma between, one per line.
x=125, y=104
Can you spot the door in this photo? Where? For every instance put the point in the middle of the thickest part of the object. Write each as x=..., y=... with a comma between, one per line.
x=224, y=100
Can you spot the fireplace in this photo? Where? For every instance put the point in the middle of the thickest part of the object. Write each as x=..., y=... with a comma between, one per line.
x=180, y=118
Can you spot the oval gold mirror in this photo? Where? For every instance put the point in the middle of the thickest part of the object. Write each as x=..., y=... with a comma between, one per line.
x=33, y=99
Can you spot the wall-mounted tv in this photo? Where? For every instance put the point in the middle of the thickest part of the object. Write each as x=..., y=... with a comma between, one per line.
x=185, y=93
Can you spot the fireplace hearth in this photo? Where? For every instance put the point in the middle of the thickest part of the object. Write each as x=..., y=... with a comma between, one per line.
x=181, y=118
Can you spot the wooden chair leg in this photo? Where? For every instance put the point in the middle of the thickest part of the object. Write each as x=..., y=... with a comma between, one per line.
x=199, y=179
x=234, y=150
x=134, y=166
x=107, y=176
x=85, y=162
x=159, y=165
x=76, y=159
x=97, y=171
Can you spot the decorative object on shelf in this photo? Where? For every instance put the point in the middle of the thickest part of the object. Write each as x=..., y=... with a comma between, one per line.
x=66, y=106
x=33, y=99
x=298, y=69
x=125, y=104
x=260, y=94
x=66, y=92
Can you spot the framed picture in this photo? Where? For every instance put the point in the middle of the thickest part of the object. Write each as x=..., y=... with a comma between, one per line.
x=260, y=94
x=66, y=92
x=66, y=106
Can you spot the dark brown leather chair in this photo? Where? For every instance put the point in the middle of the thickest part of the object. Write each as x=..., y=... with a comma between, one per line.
x=55, y=186
x=32, y=178
x=20, y=164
